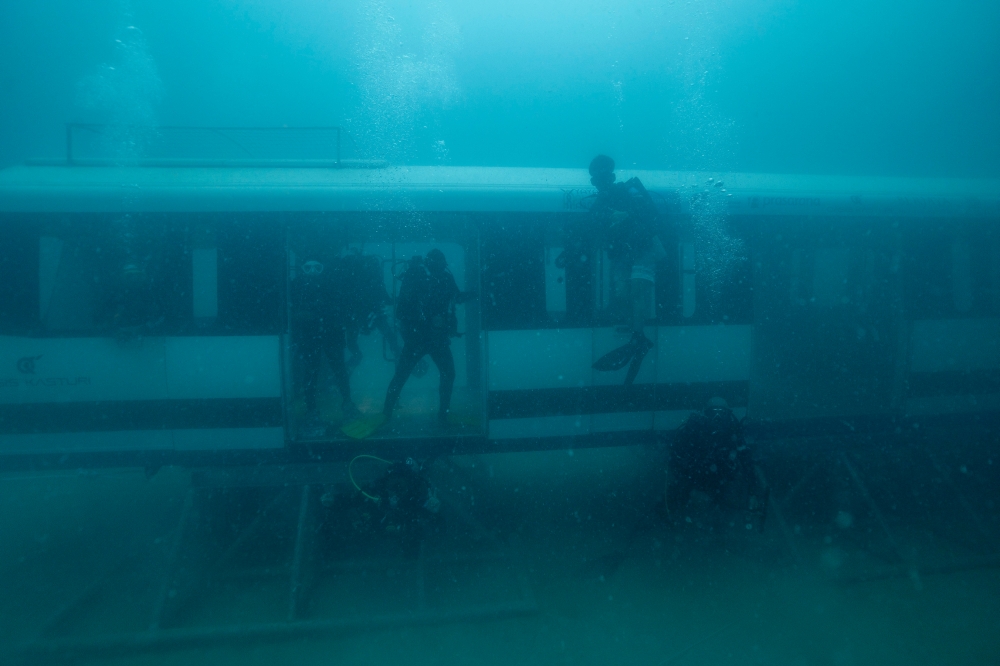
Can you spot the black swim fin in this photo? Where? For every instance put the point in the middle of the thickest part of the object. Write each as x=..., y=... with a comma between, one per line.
x=616, y=359
x=641, y=348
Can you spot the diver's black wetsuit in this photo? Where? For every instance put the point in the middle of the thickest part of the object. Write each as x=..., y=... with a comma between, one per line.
x=426, y=313
x=710, y=454
x=318, y=326
x=627, y=238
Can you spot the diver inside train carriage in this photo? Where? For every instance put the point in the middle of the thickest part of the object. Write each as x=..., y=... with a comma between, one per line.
x=319, y=329
x=709, y=453
x=425, y=311
x=626, y=219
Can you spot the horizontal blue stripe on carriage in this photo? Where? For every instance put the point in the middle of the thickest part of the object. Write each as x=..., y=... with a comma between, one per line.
x=967, y=382
x=112, y=416
x=613, y=399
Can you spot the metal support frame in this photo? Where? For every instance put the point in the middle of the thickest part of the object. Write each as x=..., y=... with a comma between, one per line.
x=167, y=586
x=295, y=592
x=875, y=511
x=973, y=515
x=906, y=566
x=172, y=597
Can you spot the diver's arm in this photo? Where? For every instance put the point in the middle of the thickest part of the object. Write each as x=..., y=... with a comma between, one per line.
x=458, y=295
x=635, y=183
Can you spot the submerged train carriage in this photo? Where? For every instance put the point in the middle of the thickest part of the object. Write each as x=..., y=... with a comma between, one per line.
x=148, y=314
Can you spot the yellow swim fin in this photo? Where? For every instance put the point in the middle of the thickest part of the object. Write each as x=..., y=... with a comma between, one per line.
x=364, y=426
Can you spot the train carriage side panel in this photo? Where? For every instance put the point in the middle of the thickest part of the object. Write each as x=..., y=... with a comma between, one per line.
x=165, y=391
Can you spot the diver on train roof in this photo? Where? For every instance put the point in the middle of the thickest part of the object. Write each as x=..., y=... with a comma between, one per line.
x=627, y=224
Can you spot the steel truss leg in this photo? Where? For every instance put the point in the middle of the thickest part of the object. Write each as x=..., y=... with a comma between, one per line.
x=167, y=587
x=295, y=591
x=912, y=570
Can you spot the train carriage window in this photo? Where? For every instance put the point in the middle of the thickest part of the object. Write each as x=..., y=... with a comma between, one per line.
x=19, y=257
x=515, y=268
x=555, y=272
x=823, y=304
x=250, y=273
x=140, y=275
x=953, y=275
x=125, y=275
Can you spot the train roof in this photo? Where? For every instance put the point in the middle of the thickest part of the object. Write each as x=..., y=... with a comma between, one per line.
x=65, y=188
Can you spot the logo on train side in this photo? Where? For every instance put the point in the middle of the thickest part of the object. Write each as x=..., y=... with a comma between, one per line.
x=26, y=364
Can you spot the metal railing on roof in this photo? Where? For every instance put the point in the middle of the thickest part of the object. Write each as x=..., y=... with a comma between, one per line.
x=92, y=144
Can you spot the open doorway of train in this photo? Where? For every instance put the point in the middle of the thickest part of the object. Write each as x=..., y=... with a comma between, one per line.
x=384, y=327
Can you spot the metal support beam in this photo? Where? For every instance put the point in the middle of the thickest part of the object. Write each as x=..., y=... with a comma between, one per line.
x=980, y=525
x=74, y=604
x=199, y=580
x=295, y=593
x=158, y=637
x=168, y=576
x=912, y=570
x=119, y=644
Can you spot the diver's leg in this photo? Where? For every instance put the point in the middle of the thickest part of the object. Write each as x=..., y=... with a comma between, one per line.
x=408, y=358
x=336, y=344
x=351, y=337
x=642, y=293
x=641, y=287
x=443, y=359
x=309, y=352
x=620, y=290
x=640, y=343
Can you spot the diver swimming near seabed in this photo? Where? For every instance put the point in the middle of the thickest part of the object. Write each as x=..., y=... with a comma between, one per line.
x=626, y=218
x=400, y=503
x=709, y=453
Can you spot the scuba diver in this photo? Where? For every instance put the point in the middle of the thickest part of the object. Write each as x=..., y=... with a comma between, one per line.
x=425, y=310
x=626, y=217
x=318, y=327
x=710, y=454
x=400, y=504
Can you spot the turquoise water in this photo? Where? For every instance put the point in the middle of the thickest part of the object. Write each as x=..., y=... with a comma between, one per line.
x=764, y=85
x=862, y=347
